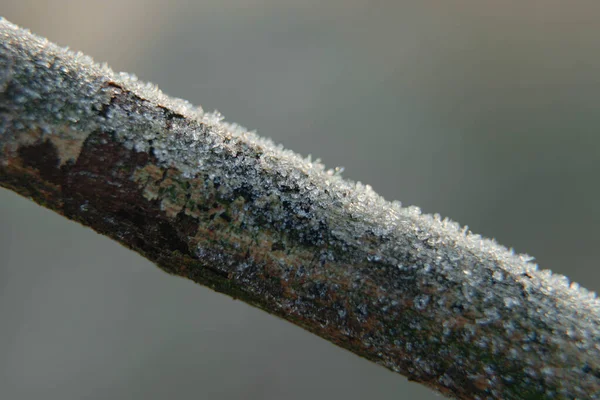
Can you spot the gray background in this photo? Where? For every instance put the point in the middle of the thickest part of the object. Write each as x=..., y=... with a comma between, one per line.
x=486, y=112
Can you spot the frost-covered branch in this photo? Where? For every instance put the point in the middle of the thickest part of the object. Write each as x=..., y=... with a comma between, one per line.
x=207, y=200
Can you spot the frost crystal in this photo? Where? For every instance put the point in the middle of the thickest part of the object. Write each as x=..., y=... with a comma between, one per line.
x=421, y=302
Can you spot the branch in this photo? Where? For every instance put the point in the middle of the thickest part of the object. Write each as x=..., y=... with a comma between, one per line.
x=207, y=200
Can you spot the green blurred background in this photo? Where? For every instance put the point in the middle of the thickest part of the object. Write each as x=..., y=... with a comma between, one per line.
x=483, y=111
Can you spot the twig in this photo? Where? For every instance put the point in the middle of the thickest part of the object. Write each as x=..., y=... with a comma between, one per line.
x=207, y=200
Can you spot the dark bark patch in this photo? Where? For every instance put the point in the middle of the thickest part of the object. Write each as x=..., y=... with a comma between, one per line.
x=43, y=157
x=101, y=179
x=277, y=246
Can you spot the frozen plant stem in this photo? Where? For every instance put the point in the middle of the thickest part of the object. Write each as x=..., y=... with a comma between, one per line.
x=207, y=200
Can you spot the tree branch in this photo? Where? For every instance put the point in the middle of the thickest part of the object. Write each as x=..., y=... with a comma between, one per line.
x=207, y=200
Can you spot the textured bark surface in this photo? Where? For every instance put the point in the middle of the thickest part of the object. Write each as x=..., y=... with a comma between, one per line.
x=208, y=201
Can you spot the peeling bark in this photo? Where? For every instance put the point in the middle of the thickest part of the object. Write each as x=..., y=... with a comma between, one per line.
x=207, y=200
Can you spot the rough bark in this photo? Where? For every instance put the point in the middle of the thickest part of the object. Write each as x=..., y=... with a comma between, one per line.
x=207, y=200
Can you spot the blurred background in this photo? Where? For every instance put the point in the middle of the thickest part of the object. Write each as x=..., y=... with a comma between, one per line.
x=485, y=112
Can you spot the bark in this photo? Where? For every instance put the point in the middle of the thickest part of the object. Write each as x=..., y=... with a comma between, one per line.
x=207, y=200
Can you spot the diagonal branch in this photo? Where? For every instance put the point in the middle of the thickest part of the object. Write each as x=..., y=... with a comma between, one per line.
x=207, y=200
